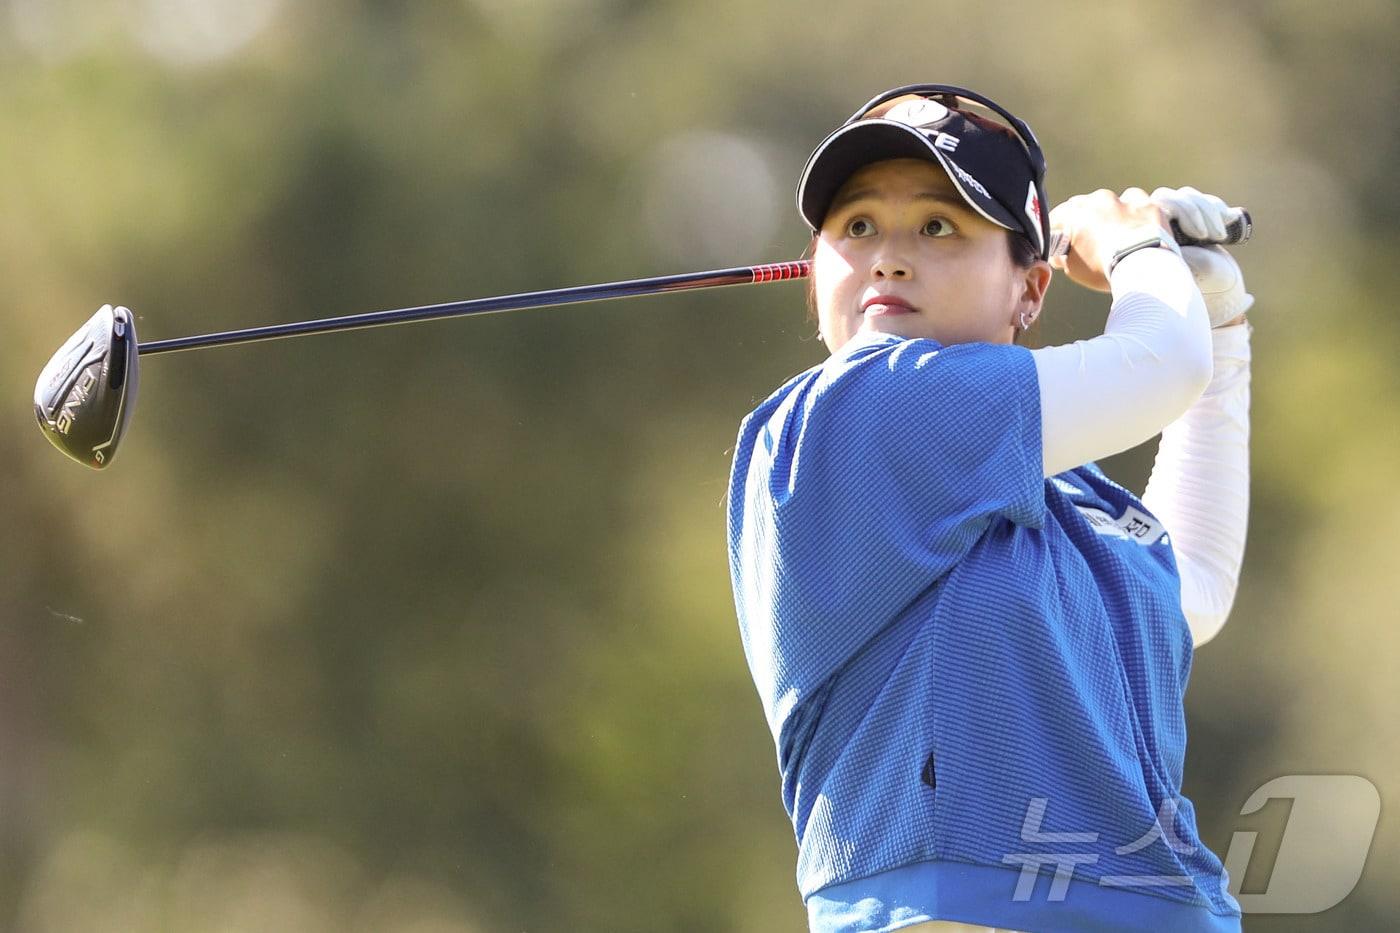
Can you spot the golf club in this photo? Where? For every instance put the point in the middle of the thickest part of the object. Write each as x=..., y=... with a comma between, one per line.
x=84, y=397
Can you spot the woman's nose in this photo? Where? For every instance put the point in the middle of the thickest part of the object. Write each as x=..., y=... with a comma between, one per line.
x=889, y=265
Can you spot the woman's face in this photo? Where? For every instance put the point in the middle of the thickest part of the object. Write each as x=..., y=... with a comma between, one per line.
x=901, y=252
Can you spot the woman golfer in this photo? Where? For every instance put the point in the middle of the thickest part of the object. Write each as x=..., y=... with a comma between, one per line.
x=971, y=645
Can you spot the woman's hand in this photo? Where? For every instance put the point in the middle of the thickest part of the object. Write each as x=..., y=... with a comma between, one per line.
x=1100, y=224
x=1221, y=283
x=1205, y=217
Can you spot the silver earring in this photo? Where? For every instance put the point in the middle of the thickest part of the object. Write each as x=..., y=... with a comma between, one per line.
x=1025, y=325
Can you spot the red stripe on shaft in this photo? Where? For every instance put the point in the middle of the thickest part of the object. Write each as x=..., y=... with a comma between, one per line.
x=780, y=271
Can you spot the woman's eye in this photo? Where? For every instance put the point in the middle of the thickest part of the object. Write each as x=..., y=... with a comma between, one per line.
x=860, y=227
x=937, y=226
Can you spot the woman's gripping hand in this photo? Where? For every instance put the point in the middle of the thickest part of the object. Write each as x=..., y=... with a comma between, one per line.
x=1218, y=276
x=1099, y=225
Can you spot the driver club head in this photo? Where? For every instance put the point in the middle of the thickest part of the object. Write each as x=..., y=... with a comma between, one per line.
x=84, y=396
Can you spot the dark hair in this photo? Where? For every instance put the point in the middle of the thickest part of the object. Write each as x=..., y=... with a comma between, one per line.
x=1023, y=252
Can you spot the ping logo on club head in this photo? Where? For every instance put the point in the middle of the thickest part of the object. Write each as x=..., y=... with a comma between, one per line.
x=81, y=390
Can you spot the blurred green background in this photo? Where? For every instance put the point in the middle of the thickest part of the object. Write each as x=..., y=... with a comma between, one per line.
x=430, y=628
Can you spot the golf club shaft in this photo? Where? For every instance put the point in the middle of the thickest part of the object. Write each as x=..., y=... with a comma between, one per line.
x=743, y=275
x=1238, y=232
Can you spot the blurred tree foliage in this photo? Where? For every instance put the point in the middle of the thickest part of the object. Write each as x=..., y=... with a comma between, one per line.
x=431, y=628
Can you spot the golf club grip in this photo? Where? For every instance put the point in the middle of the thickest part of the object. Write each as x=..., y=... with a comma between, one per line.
x=1237, y=231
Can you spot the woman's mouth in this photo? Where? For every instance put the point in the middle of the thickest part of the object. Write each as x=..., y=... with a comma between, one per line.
x=885, y=304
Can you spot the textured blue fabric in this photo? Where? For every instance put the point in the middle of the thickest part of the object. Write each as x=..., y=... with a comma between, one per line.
x=949, y=890
x=958, y=658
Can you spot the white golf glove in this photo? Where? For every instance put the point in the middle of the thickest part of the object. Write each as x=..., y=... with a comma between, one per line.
x=1221, y=283
x=1218, y=276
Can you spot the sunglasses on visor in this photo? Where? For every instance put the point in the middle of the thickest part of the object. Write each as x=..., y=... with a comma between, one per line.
x=952, y=96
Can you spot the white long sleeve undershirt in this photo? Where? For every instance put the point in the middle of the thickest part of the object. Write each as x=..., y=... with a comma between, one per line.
x=1158, y=367
x=1199, y=486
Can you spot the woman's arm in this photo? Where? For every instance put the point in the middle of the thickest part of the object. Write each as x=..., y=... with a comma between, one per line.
x=1200, y=482
x=1106, y=394
x=1200, y=486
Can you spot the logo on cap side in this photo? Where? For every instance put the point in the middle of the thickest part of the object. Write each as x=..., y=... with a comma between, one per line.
x=920, y=112
x=1033, y=210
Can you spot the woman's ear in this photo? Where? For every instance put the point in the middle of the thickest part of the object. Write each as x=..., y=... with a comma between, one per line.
x=1031, y=285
